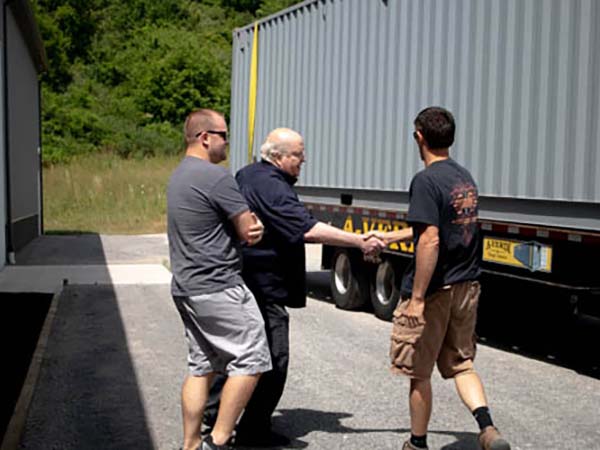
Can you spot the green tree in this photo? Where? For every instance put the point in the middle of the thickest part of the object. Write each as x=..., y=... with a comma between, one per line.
x=268, y=7
x=123, y=74
x=67, y=28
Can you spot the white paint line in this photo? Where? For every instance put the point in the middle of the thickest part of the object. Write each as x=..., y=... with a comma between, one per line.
x=49, y=278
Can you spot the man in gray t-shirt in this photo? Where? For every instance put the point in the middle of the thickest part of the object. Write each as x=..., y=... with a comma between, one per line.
x=203, y=198
x=208, y=219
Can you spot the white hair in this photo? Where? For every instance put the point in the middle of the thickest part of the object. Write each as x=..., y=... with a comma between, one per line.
x=278, y=142
x=271, y=150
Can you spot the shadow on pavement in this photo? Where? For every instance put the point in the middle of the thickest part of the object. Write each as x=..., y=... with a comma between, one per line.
x=297, y=423
x=21, y=322
x=87, y=393
x=517, y=319
x=536, y=322
x=464, y=441
x=72, y=249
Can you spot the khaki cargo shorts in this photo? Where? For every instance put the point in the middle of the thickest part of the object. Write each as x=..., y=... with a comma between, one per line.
x=447, y=337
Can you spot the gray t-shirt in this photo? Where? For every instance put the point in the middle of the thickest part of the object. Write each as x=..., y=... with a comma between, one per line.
x=201, y=199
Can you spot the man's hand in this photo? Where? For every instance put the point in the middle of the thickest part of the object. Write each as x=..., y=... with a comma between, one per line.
x=414, y=312
x=256, y=231
x=376, y=234
x=371, y=248
x=389, y=237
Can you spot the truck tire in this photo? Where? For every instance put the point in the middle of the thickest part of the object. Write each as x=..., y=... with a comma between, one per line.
x=384, y=291
x=349, y=280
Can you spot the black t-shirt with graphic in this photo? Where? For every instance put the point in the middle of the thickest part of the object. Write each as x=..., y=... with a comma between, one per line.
x=445, y=195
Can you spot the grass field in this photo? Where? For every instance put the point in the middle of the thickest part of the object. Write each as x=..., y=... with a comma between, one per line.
x=106, y=194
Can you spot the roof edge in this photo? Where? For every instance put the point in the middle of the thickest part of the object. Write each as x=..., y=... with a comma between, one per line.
x=278, y=14
x=26, y=22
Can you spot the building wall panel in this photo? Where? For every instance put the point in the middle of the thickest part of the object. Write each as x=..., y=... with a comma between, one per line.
x=23, y=134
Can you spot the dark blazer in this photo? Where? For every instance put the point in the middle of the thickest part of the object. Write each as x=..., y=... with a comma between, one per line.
x=275, y=268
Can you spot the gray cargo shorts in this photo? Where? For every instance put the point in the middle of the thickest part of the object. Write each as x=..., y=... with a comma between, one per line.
x=225, y=333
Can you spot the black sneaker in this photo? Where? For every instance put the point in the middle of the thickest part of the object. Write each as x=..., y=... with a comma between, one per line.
x=208, y=444
x=268, y=439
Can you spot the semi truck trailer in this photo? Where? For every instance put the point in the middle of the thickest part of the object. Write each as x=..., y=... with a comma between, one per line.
x=522, y=79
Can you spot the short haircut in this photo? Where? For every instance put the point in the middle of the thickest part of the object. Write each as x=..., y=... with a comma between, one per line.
x=437, y=126
x=197, y=121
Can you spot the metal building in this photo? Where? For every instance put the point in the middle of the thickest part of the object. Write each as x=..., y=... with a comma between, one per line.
x=22, y=59
x=521, y=77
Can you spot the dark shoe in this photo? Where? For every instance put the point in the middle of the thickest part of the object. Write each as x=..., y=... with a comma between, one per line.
x=408, y=446
x=267, y=439
x=490, y=439
x=208, y=444
x=208, y=423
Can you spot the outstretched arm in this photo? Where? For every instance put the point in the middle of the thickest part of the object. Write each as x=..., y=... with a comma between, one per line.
x=389, y=237
x=326, y=234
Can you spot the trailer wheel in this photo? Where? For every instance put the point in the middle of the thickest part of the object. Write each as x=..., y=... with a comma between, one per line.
x=349, y=282
x=384, y=292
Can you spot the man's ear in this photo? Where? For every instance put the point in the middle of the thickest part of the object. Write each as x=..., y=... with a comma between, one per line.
x=204, y=139
x=420, y=138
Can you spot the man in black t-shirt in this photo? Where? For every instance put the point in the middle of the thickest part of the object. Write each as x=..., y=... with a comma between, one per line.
x=435, y=321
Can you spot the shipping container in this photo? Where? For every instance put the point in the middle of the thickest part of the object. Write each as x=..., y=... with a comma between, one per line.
x=522, y=79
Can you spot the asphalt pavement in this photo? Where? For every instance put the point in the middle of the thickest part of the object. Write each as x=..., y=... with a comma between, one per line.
x=113, y=358
x=340, y=394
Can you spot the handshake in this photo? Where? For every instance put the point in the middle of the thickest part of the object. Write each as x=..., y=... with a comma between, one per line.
x=375, y=241
x=372, y=245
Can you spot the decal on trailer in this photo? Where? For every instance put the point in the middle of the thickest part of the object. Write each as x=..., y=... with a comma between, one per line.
x=364, y=224
x=527, y=255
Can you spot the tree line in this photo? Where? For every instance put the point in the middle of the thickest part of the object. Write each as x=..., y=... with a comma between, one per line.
x=123, y=74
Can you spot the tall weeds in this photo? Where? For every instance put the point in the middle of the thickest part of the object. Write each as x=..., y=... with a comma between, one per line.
x=107, y=194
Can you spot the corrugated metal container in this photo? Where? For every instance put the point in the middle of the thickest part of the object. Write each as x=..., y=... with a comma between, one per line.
x=521, y=77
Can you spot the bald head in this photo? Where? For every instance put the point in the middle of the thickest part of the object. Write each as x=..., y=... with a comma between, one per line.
x=284, y=148
x=280, y=142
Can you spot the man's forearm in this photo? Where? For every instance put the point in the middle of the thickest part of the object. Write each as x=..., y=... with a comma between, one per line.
x=426, y=260
x=405, y=234
x=242, y=223
x=326, y=234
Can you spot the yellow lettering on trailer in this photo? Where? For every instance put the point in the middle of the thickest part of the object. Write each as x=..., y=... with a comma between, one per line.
x=348, y=225
x=368, y=224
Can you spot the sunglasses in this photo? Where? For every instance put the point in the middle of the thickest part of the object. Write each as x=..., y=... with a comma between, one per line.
x=223, y=134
